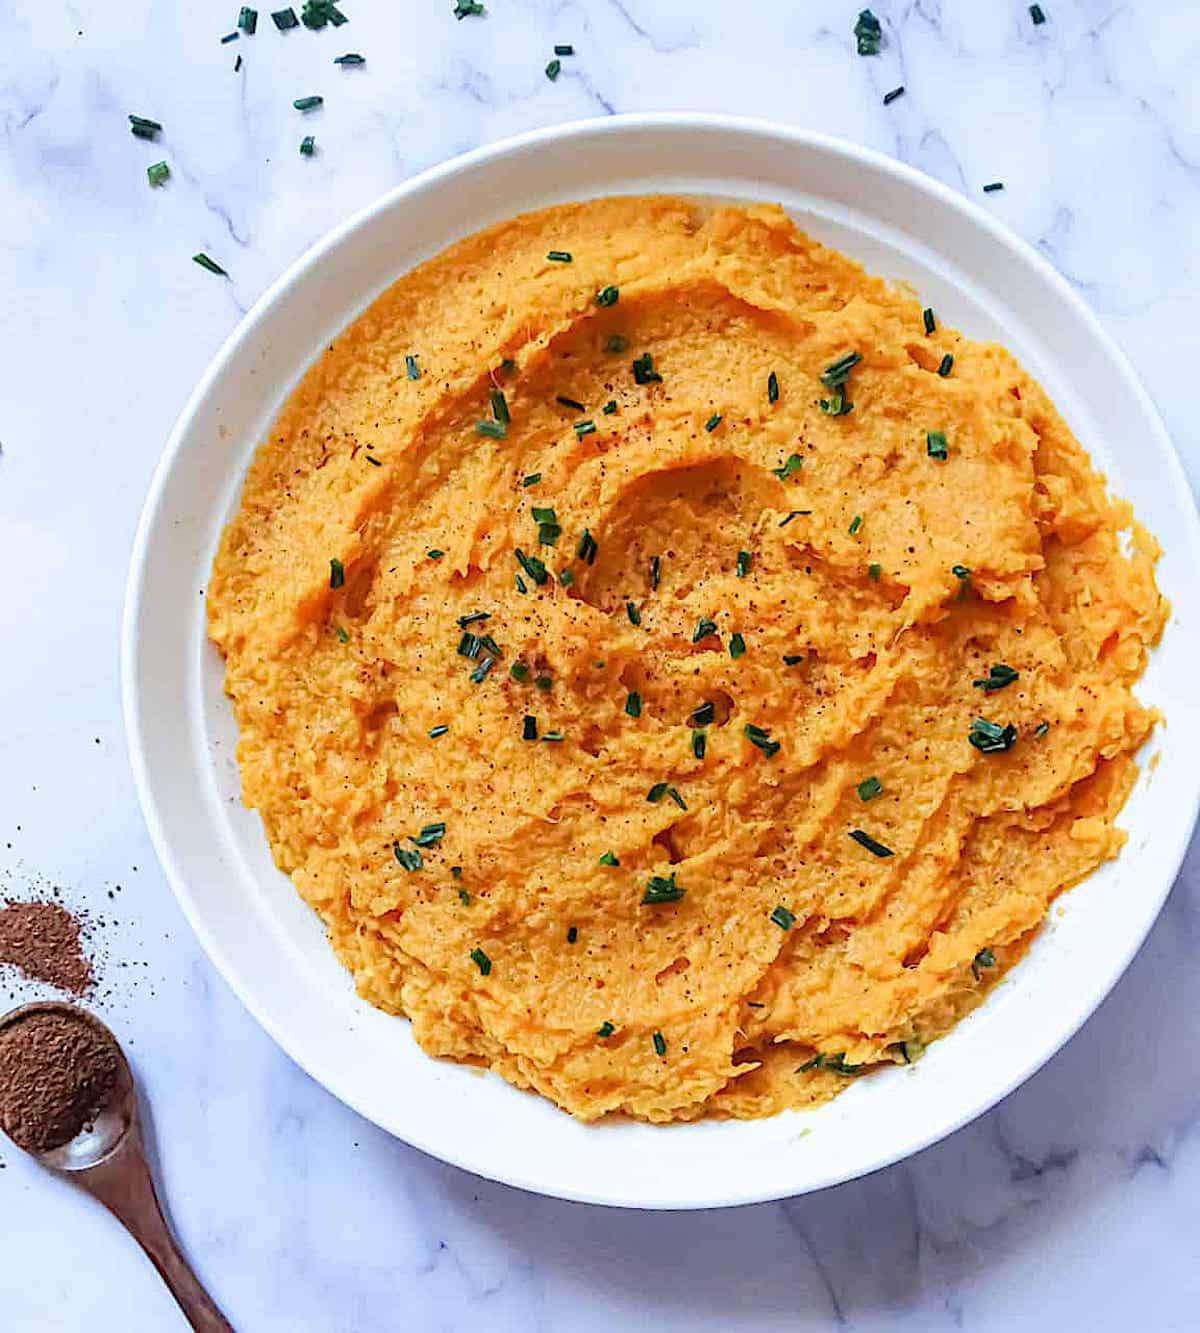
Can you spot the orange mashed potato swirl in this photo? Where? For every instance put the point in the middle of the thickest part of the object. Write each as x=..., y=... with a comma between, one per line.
x=669, y=729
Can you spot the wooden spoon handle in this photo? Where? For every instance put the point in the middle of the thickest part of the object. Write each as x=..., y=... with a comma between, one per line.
x=123, y=1185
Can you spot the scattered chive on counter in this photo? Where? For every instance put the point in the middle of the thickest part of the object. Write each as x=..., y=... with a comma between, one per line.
x=210, y=265
x=141, y=128
x=993, y=186
x=248, y=20
x=554, y=69
x=308, y=146
x=284, y=19
x=889, y=98
x=157, y=173
x=465, y=9
x=559, y=256
x=350, y=59
x=308, y=103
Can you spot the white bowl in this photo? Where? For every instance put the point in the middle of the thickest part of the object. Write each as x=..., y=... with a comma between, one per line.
x=271, y=948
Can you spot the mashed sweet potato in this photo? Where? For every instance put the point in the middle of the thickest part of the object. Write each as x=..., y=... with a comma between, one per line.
x=678, y=677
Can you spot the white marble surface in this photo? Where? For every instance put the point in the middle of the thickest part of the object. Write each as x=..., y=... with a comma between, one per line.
x=1073, y=1204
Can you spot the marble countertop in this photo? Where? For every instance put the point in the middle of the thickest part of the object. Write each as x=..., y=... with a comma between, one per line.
x=1074, y=1203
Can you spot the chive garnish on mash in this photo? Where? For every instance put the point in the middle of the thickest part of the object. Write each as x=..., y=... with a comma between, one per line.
x=606, y=1029
x=572, y=934
x=609, y=859
x=583, y=428
x=999, y=675
x=440, y=730
x=784, y=919
x=699, y=743
x=928, y=319
x=494, y=430
x=635, y=616
x=772, y=387
x=713, y=422
x=760, y=737
x=531, y=479
x=737, y=645
x=837, y=372
x=946, y=365
x=481, y=960
x=869, y=788
x=662, y=889
x=874, y=571
x=655, y=572
x=559, y=256
x=743, y=563
x=587, y=548
x=793, y=463
x=608, y=295
x=703, y=714
x=984, y=958
x=643, y=370
x=874, y=847
x=519, y=671
x=337, y=573
x=990, y=737
x=573, y=403
x=633, y=704
x=500, y=407
x=935, y=444
x=704, y=627
x=532, y=566
x=411, y=368
x=430, y=834
x=660, y=1043
x=408, y=857
x=855, y=523
x=529, y=727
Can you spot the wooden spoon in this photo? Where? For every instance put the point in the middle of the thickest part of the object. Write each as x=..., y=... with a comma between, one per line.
x=107, y=1158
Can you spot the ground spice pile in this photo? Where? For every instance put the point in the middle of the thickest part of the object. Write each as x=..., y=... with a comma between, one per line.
x=56, y=1073
x=42, y=939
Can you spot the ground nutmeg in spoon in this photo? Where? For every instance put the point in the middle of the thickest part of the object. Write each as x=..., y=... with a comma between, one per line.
x=56, y=1073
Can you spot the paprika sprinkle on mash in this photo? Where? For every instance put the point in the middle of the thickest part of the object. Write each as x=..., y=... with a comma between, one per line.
x=869, y=647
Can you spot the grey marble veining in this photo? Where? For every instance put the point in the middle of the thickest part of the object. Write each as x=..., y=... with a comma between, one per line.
x=1074, y=1203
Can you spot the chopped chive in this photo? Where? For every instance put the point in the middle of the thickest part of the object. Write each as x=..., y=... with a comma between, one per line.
x=468, y=9
x=343, y=637
x=375, y=462
x=657, y=792
x=583, y=428
x=464, y=897
x=643, y=370
x=713, y=422
x=755, y=1004
x=308, y=103
x=549, y=530
x=662, y=889
x=317, y=13
x=704, y=627
x=554, y=69
x=456, y=871
x=868, y=34
x=874, y=571
x=237, y=64
x=142, y=128
x=586, y=549
x=655, y=572
x=468, y=645
x=635, y=616
x=564, y=49
x=703, y=714
x=486, y=641
x=308, y=146
x=609, y=859
x=572, y=934
x=508, y=365
x=999, y=675
x=1037, y=14
x=500, y=406
x=610, y=407
x=772, y=388
x=737, y=646
x=411, y=369
x=673, y=793
x=993, y=186
x=616, y=343
x=791, y=514
x=543, y=682
x=793, y=463
x=430, y=834
x=230, y=37
x=743, y=563
x=660, y=1043
x=760, y=737
x=473, y=619
x=248, y=20
x=337, y=573
x=935, y=444
x=930, y=322
x=855, y=523
x=699, y=743
x=784, y=919
x=889, y=98
x=837, y=372
x=1040, y=730
x=434, y=554
x=607, y=295
x=836, y=405
x=519, y=671
x=481, y=960
x=350, y=58
x=960, y=572
x=984, y=958
x=408, y=857
x=284, y=19
x=946, y=365
x=869, y=788
x=605, y=1029
x=792, y=659
x=494, y=430
x=210, y=265
x=532, y=566
x=559, y=256
x=566, y=577
x=865, y=840
x=553, y=736
x=531, y=479
x=990, y=737
x=633, y=704
x=434, y=732
x=481, y=670
x=573, y=403
x=157, y=173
